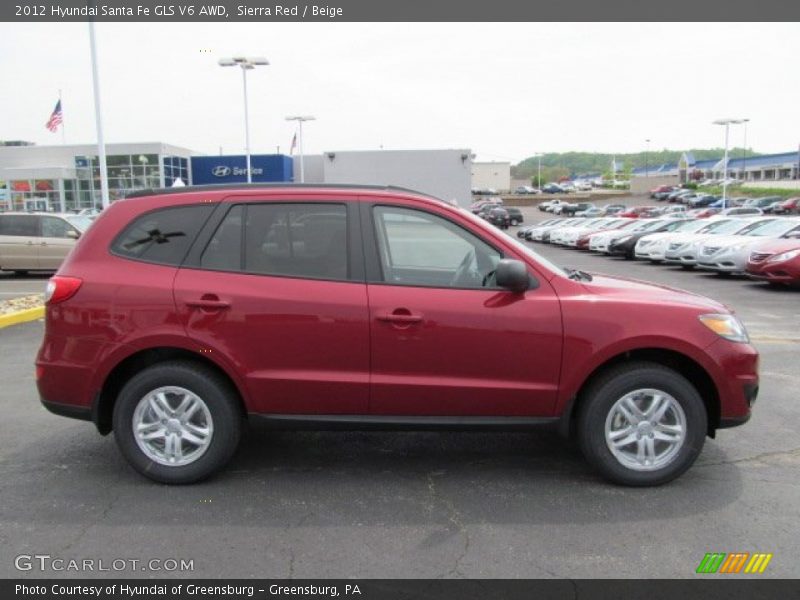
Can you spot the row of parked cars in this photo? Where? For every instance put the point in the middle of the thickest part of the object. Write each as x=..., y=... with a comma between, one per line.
x=694, y=198
x=764, y=247
x=495, y=212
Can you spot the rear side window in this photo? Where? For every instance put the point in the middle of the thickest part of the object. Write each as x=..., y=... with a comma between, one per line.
x=23, y=225
x=162, y=236
x=292, y=240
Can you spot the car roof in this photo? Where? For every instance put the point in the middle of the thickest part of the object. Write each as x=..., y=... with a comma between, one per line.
x=223, y=187
x=20, y=213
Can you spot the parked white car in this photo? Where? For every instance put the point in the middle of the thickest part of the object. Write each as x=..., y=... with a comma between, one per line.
x=600, y=241
x=681, y=247
x=558, y=236
x=571, y=234
x=538, y=233
x=729, y=254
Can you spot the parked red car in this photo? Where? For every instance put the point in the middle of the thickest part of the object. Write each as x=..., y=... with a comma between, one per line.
x=183, y=313
x=660, y=189
x=789, y=206
x=776, y=261
x=703, y=213
x=638, y=212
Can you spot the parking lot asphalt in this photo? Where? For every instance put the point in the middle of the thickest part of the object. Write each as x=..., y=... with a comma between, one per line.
x=13, y=285
x=454, y=504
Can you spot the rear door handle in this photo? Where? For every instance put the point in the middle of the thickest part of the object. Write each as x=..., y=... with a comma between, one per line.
x=209, y=302
x=399, y=316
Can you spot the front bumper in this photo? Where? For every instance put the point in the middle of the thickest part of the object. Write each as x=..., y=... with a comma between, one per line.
x=722, y=262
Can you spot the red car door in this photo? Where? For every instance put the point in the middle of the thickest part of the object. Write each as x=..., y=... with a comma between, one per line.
x=446, y=341
x=275, y=291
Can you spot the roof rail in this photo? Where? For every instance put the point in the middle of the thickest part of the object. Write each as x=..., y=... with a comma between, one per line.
x=257, y=186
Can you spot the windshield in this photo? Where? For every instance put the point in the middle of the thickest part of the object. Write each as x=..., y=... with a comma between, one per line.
x=648, y=225
x=691, y=226
x=80, y=222
x=527, y=250
x=774, y=228
x=725, y=227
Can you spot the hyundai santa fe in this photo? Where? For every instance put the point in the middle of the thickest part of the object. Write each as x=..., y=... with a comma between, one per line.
x=183, y=314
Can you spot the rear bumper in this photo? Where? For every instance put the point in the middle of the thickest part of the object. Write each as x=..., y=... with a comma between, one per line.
x=82, y=413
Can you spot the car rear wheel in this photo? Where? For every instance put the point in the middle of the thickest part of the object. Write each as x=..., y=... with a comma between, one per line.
x=641, y=424
x=177, y=422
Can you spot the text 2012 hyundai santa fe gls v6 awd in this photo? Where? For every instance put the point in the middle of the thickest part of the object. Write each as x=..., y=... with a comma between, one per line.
x=181, y=314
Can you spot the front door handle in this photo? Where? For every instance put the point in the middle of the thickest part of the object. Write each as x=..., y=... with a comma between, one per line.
x=399, y=316
x=209, y=302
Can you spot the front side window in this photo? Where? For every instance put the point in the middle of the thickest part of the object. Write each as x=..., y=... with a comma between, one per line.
x=162, y=236
x=418, y=248
x=54, y=227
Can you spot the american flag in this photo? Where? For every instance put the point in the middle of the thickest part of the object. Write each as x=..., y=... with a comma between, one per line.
x=294, y=144
x=55, y=119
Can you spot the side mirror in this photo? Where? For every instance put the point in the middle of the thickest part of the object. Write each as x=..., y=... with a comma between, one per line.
x=512, y=275
x=72, y=234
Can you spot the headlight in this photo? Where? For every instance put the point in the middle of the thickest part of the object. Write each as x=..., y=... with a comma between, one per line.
x=785, y=256
x=727, y=326
x=621, y=240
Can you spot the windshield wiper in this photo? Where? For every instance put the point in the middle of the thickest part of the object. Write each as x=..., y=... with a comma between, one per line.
x=577, y=275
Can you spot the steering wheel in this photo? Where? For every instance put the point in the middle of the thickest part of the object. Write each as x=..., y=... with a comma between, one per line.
x=463, y=272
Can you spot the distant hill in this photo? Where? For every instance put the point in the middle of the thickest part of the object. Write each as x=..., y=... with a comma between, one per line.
x=570, y=164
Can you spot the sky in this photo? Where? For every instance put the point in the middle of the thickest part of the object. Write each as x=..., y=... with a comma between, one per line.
x=505, y=90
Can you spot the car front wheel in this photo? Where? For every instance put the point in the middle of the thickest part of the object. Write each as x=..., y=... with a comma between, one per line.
x=641, y=424
x=177, y=422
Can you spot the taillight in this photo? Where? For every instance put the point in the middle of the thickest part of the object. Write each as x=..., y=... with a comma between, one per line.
x=61, y=288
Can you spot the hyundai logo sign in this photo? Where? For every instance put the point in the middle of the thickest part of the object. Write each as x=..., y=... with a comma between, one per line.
x=226, y=171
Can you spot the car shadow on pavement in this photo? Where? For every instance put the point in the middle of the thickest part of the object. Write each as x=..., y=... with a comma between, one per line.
x=284, y=478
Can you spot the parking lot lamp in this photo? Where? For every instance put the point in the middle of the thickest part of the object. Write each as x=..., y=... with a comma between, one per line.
x=647, y=159
x=246, y=64
x=300, y=119
x=727, y=123
x=744, y=160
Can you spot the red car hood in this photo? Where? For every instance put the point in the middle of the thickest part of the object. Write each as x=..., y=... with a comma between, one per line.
x=644, y=291
x=775, y=246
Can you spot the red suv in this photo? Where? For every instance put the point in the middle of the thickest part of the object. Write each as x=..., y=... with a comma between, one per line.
x=182, y=314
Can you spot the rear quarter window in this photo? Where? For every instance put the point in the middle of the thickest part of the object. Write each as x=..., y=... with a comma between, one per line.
x=162, y=236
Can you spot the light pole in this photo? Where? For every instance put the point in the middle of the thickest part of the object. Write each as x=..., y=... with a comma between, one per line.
x=539, y=171
x=727, y=123
x=300, y=119
x=98, y=119
x=647, y=159
x=744, y=159
x=246, y=63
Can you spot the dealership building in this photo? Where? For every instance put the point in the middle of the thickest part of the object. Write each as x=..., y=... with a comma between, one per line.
x=67, y=177
x=782, y=169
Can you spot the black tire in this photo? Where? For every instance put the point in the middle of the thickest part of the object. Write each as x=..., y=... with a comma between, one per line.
x=601, y=395
x=219, y=397
x=687, y=267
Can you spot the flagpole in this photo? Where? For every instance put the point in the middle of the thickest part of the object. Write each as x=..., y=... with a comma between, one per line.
x=63, y=127
x=101, y=146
